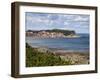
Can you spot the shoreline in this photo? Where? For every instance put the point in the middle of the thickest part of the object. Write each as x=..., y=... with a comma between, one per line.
x=76, y=57
x=71, y=51
x=42, y=37
x=59, y=49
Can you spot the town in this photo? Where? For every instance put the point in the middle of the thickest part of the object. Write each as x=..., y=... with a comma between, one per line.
x=51, y=34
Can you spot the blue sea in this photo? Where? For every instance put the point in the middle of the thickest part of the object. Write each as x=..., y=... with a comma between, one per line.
x=75, y=44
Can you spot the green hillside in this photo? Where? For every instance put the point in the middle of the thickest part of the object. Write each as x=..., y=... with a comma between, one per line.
x=35, y=58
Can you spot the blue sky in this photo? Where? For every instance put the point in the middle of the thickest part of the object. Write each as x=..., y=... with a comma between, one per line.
x=41, y=21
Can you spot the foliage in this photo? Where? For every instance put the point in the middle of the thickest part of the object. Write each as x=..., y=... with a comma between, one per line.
x=36, y=58
x=65, y=32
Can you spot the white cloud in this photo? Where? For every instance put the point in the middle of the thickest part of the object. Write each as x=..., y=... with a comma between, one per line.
x=81, y=18
x=66, y=23
x=37, y=19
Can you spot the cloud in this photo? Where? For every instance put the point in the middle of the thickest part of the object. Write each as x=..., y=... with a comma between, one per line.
x=51, y=20
x=66, y=23
x=37, y=19
x=74, y=17
x=81, y=18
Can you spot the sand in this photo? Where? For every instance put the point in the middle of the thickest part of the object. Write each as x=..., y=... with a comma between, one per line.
x=75, y=57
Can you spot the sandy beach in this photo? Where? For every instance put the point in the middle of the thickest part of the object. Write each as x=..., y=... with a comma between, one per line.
x=75, y=57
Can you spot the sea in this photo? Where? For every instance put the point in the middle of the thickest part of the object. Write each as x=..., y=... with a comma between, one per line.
x=71, y=44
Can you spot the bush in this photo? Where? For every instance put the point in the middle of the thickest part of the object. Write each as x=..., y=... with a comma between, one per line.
x=36, y=58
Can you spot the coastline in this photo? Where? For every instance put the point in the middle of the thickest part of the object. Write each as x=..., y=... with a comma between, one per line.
x=76, y=57
x=53, y=37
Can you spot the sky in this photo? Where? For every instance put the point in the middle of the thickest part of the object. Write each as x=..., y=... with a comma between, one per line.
x=43, y=21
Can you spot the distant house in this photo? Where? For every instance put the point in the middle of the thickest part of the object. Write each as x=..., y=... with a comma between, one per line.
x=29, y=33
x=50, y=33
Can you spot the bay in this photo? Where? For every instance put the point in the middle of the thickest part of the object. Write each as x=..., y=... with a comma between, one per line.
x=75, y=44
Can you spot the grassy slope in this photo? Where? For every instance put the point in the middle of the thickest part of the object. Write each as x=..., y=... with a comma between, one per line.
x=36, y=58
